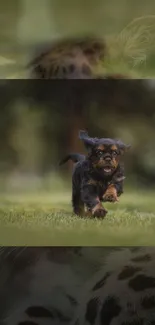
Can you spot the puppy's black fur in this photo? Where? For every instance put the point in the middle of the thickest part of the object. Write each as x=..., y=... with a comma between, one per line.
x=75, y=157
x=98, y=176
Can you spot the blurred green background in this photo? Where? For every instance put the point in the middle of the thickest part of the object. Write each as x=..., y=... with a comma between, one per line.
x=26, y=24
x=39, y=124
x=40, y=121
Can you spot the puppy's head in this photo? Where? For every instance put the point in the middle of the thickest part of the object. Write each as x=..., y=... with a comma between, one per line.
x=104, y=153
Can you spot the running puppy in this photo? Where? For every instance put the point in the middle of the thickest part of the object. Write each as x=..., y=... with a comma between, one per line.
x=98, y=176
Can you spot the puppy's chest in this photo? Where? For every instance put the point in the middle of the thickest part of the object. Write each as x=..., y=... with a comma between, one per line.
x=101, y=185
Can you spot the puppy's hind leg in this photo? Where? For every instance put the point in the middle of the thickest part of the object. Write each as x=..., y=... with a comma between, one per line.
x=78, y=205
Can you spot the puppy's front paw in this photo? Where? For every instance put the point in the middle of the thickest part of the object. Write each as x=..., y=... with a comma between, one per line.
x=110, y=195
x=110, y=198
x=99, y=211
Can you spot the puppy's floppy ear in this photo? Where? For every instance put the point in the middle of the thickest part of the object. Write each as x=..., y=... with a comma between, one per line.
x=127, y=147
x=123, y=147
x=83, y=134
x=88, y=142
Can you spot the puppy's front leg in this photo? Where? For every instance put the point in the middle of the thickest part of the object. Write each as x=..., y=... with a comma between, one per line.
x=91, y=200
x=111, y=194
x=114, y=190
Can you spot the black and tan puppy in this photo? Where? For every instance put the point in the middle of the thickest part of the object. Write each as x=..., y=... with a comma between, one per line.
x=98, y=176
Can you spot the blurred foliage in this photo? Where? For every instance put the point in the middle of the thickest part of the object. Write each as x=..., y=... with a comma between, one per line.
x=127, y=26
x=39, y=124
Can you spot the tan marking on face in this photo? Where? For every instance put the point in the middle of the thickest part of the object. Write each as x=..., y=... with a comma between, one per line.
x=101, y=147
x=113, y=147
x=114, y=162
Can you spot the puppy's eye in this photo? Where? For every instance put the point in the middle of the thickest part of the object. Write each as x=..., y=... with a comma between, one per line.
x=115, y=153
x=100, y=153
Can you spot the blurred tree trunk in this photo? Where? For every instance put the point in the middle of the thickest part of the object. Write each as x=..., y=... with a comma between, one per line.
x=26, y=137
x=76, y=121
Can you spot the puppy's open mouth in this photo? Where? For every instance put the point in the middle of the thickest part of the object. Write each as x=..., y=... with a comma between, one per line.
x=108, y=170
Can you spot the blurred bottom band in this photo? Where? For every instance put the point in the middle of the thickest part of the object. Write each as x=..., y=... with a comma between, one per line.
x=77, y=285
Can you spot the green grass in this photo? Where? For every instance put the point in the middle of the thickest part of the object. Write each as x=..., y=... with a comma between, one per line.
x=46, y=219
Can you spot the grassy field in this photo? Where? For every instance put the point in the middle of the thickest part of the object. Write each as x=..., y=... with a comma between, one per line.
x=46, y=219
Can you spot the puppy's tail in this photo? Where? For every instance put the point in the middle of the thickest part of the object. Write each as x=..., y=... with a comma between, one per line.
x=75, y=157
